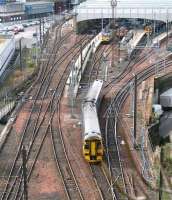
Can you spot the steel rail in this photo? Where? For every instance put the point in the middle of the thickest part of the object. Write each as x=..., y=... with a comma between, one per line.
x=54, y=93
x=38, y=130
x=43, y=69
x=102, y=182
x=20, y=145
x=96, y=64
x=69, y=180
x=22, y=139
x=121, y=95
x=111, y=84
x=112, y=160
x=102, y=186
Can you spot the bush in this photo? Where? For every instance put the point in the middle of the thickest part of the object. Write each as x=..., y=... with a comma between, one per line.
x=31, y=65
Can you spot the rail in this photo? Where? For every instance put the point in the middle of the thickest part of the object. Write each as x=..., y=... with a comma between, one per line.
x=121, y=95
x=12, y=189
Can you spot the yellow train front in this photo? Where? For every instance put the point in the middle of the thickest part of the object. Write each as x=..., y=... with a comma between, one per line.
x=106, y=36
x=92, y=139
x=93, y=150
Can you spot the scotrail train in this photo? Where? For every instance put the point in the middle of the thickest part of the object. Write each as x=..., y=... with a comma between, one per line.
x=92, y=138
x=106, y=36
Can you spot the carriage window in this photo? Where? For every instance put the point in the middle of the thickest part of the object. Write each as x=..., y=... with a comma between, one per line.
x=98, y=145
x=86, y=146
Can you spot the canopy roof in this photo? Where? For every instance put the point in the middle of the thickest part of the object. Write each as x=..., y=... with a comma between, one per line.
x=148, y=9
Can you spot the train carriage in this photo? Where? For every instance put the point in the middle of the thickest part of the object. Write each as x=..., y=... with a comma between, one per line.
x=94, y=93
x=92, y=144
x=92, y=139
x=166, y=99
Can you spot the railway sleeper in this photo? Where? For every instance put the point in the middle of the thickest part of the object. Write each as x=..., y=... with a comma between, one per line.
x=111, y=142
x=71, y=185
x=116, y=171
x=67, y=173
x=116, y=167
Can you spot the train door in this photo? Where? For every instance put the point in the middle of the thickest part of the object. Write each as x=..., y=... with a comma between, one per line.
x=93, y=150
x=96, y=151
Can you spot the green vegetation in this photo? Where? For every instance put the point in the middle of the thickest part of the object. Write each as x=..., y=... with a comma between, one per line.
x=167, y=166
x=166, y=196
x=18, y=78
x=167, y=161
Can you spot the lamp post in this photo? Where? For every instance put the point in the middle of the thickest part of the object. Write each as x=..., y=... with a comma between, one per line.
x=113, y=5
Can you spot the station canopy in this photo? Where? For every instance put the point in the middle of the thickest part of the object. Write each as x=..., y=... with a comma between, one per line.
x=145, y=9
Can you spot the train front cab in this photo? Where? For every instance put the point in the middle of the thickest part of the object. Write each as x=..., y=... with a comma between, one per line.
x=93, y=150
x=105, y=38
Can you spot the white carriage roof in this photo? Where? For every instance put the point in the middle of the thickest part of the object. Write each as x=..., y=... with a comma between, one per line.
x=167, y=93
x=148, y=9
x=94, y=91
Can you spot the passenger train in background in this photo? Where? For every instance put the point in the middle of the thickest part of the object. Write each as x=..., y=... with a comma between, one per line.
x=92, y=138
x=106, y=33
x=166, y=99
x=7, y=49
x=106, y=36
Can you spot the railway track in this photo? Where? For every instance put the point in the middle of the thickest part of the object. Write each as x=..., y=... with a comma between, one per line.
x=117, y=181
x=96, y=65
x=113, y=113
x=100, y=176
x=64, y=167
x=114, y=164
x=119, y=190
x=43, y=107
x=92, y=71
x=22, y=142
x=56, y=136
x=12, y=145
x=102, y=181
x=94, y=68
x=133, y=63
x=90, y=74
x=124, y=74
x=113, y=160
x=12, y=189
x=105, y=179
x=113, y=157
